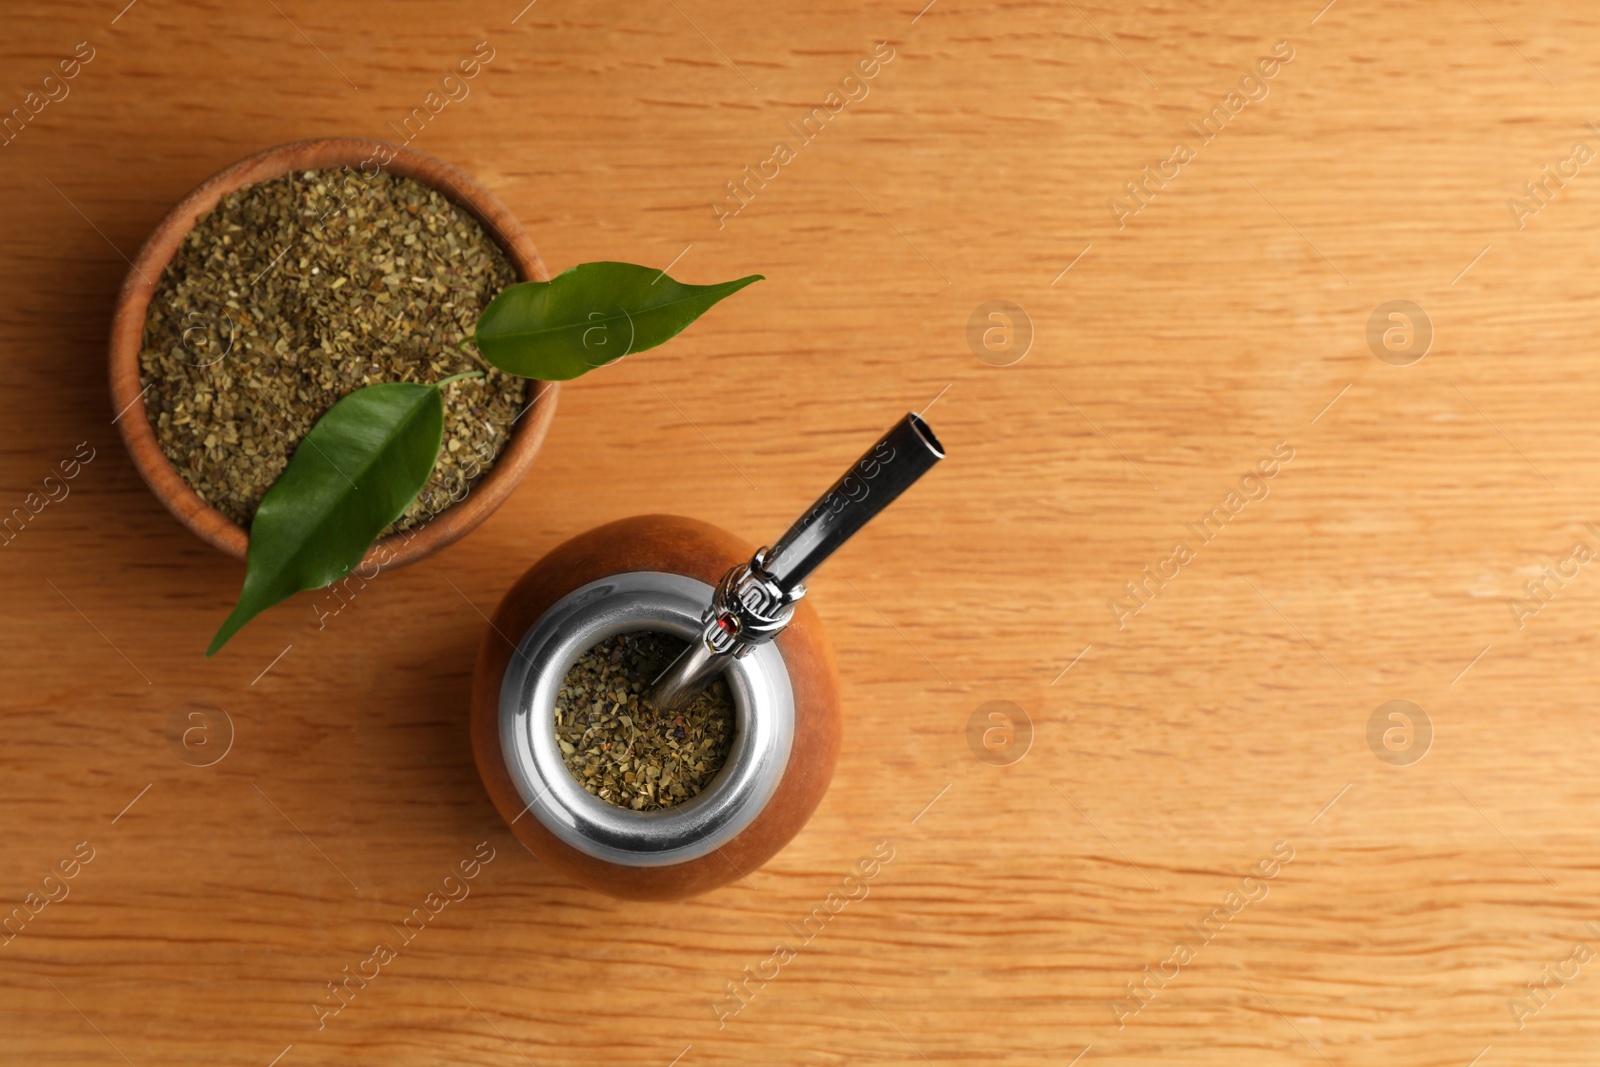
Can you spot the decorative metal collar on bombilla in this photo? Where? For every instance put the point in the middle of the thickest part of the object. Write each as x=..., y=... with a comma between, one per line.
x=754, y=601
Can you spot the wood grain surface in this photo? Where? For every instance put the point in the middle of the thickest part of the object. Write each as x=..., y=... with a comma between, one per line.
x=1170, y=751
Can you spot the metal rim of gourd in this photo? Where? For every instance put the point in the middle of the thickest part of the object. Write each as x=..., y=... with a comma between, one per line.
x=757, y=757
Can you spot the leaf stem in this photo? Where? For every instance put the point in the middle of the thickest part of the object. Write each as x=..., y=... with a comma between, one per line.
x=458, y=377
x=466, y=342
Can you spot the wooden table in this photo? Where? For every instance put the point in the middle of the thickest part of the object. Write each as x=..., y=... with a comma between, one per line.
x=1243, y=707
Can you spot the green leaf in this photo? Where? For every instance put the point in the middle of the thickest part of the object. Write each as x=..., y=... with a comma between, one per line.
x=589, y=316
x=358, y=469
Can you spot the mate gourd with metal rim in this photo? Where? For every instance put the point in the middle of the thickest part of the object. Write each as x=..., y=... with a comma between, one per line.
x=742, y=615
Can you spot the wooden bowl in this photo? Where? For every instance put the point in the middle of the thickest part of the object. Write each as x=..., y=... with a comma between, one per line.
x=672, y=545
x=127, y=339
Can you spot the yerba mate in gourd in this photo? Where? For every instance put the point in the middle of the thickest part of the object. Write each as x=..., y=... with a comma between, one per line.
x=624, y=749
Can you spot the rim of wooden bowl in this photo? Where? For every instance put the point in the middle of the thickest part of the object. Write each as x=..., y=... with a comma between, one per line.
x=127, y=338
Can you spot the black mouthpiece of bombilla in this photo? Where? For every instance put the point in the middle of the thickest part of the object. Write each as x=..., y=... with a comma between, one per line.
x=754, y=601
x=887, y=469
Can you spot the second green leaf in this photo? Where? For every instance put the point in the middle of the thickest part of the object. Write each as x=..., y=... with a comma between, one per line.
x=589, y=316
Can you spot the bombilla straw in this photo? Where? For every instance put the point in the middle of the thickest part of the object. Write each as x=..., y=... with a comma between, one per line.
x=755, y=600
x=887, y=469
